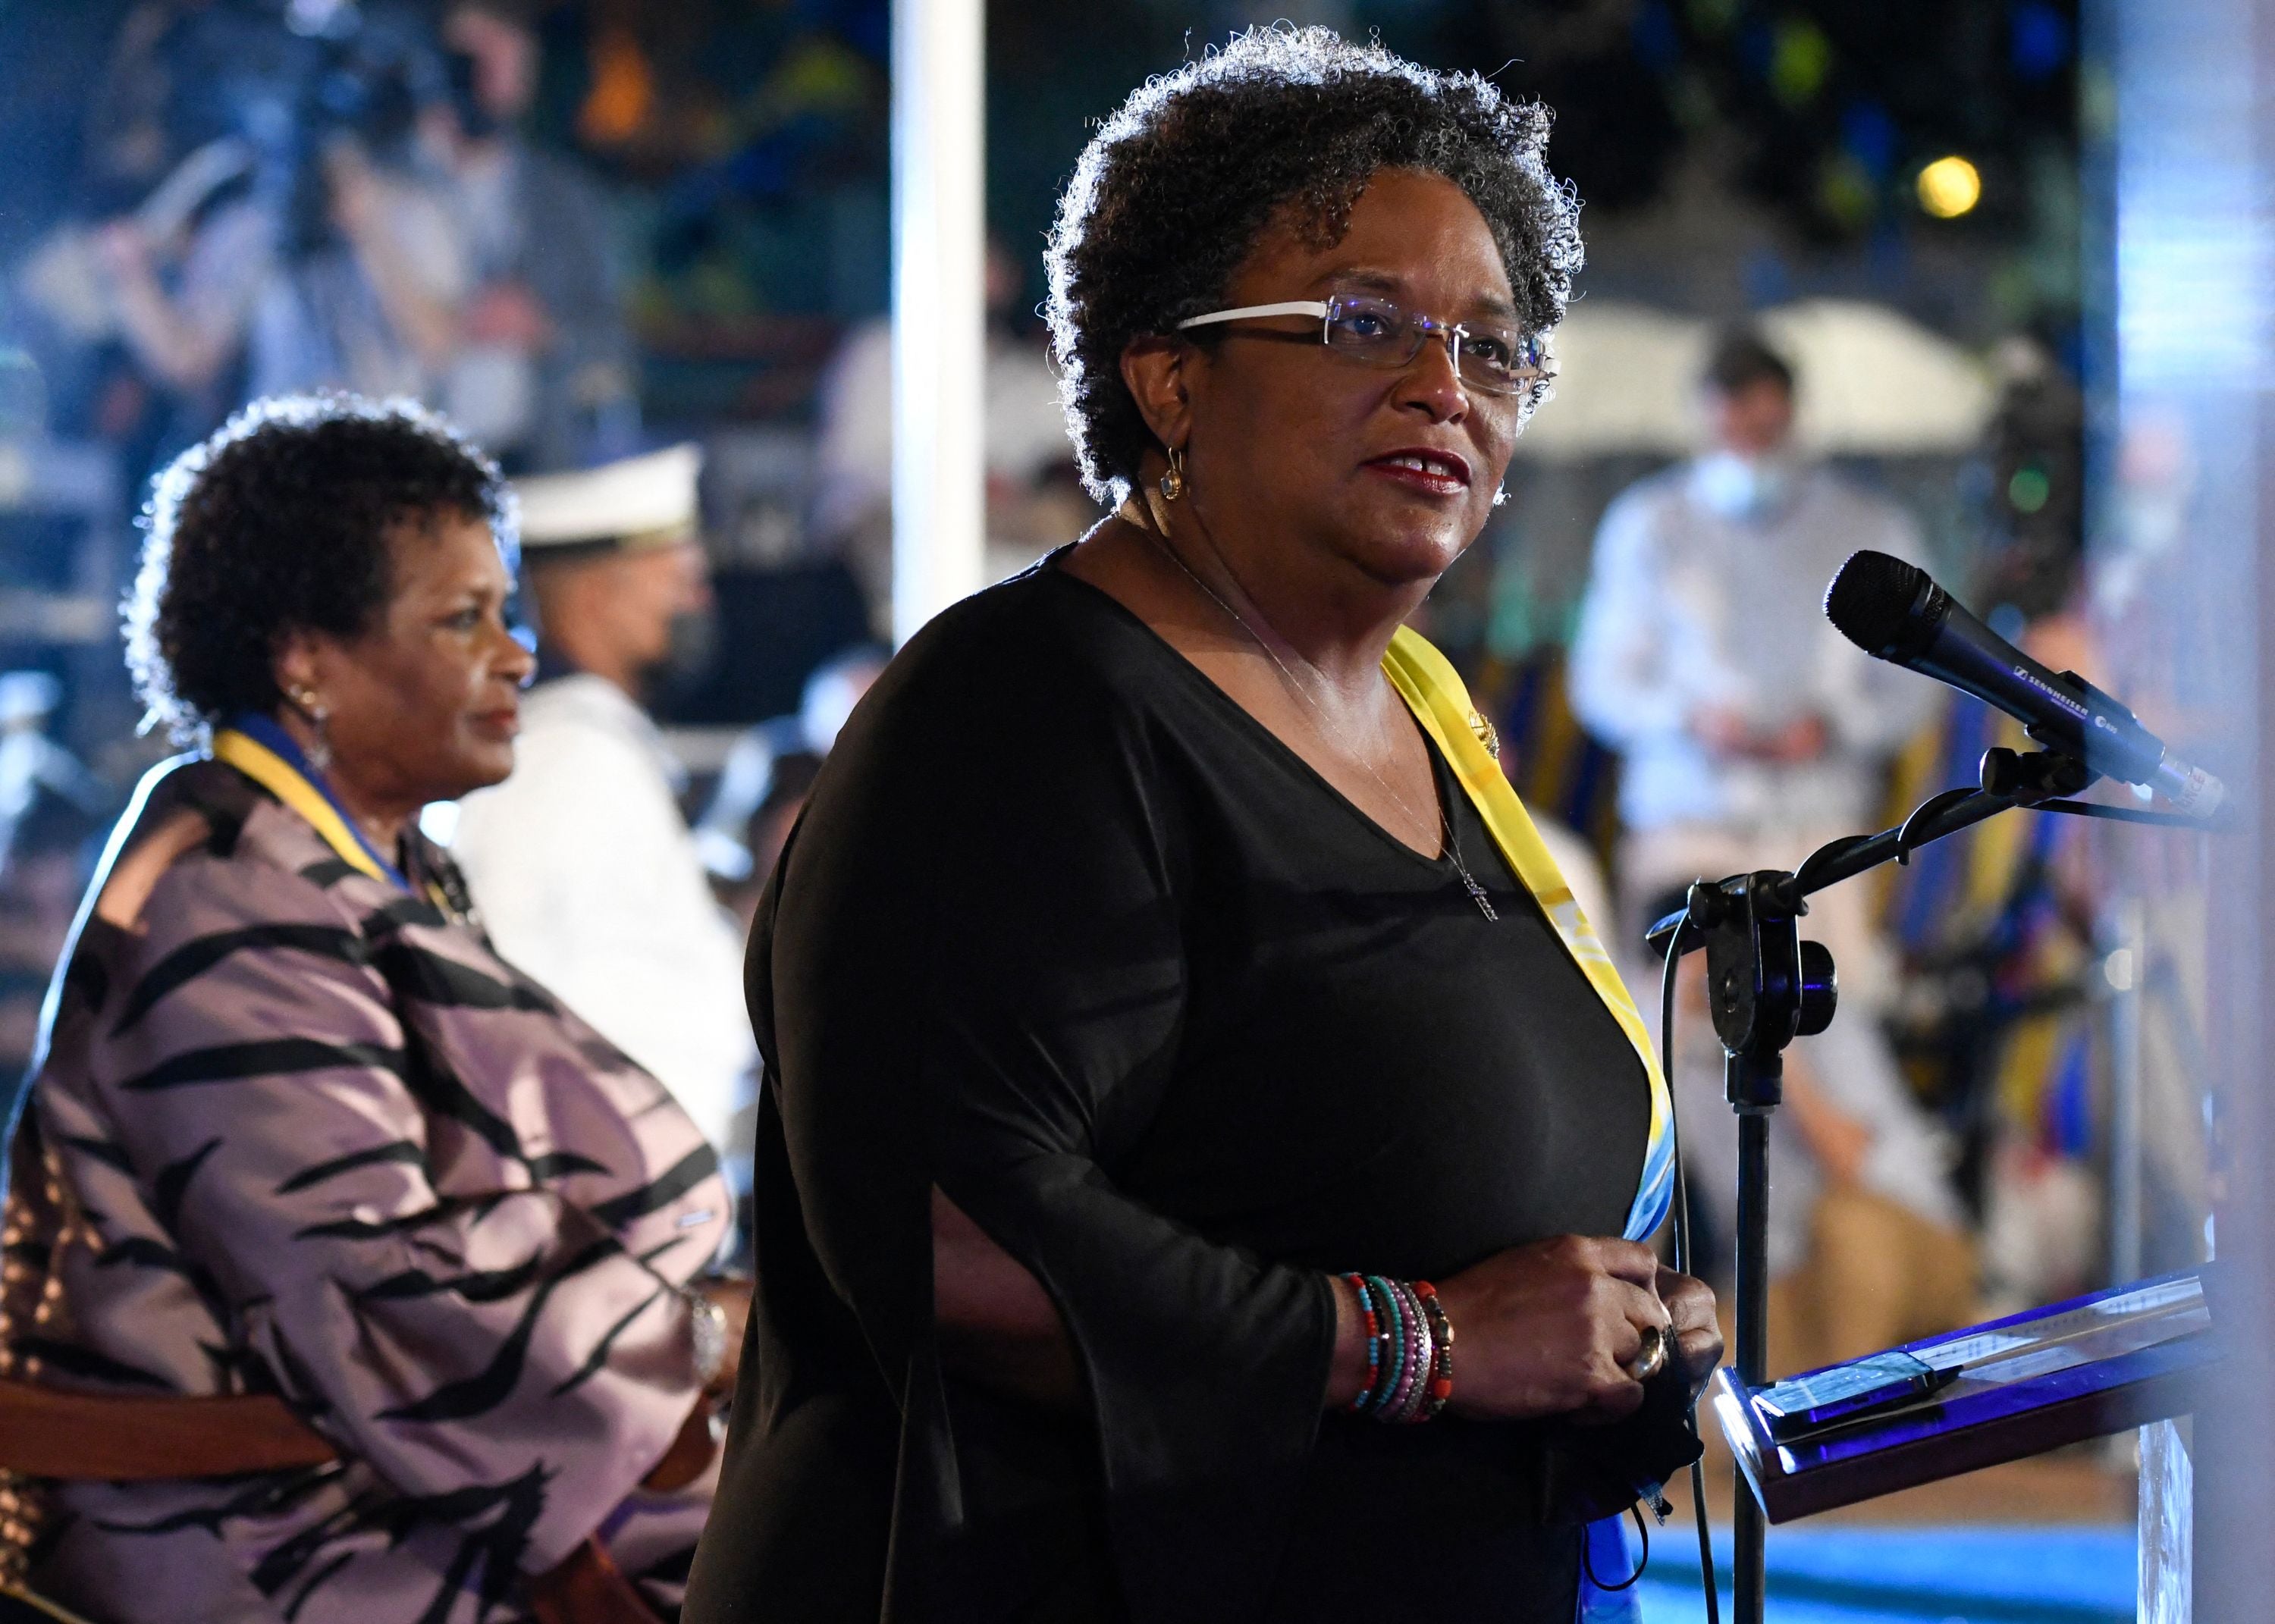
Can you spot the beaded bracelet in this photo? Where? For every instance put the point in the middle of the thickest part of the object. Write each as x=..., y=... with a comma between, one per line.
x=1374, y=1339
x=1394, y=1316
x=1391, y=1407
x=1381, y=1370
x=1441, y=1364
x=1406, y=1403
x=1409, y=1349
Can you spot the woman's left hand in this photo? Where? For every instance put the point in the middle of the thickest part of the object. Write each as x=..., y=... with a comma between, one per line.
x=1698, y=1333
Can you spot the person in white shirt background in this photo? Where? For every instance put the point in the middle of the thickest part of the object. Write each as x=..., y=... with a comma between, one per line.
x=1750, y=732
x=585, y=872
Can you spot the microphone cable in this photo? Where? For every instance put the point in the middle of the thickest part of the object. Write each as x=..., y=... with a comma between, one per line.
x=1682, y=1257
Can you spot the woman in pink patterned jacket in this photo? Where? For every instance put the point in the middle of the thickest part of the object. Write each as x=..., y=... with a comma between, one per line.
x=298, y=1131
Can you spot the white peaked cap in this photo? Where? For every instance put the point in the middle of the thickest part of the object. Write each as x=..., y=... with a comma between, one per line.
x=641, y=499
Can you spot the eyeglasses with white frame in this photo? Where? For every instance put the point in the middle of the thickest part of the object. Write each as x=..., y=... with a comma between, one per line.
x=1380, y=332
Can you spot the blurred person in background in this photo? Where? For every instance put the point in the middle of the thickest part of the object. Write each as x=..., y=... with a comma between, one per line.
x=339, y=263
x=366, y=286
x=179, y=295
x=826, y=702
x=762, y=790
x=50, y=850
x=132, y=130
x=426, y=1250
x=1033, y=497
x=544, y=374
x=53, y=810
x=770, y=768
x=586, y=872
x=147, y=150
x=1751, y=731
x=766, y=831
x=2005, y=933
x=33, y=764
x=135, y=311
x=1869, y=1244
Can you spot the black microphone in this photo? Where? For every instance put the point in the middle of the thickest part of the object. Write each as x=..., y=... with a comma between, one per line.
x=1893, y=612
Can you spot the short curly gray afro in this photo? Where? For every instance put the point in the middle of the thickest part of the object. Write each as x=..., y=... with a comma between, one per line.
x=1172, y=194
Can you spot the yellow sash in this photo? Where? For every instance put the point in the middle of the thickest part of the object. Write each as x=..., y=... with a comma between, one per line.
x=1433, y=691
x=273, y=773
x=278, y=776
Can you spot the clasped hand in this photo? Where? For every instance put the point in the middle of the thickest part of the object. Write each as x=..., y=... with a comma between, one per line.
x=1554, y=1329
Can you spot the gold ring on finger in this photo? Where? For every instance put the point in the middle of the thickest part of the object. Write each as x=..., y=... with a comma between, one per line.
x=1657, y=1342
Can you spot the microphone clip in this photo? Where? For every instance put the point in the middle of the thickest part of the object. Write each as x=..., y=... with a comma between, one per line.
x=2039, y=775
x=2044, y=781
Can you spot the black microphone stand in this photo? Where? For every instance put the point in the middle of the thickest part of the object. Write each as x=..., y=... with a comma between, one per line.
x=1766, y=986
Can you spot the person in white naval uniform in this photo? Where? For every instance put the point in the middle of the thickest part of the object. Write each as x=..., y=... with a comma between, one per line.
x=585, y=872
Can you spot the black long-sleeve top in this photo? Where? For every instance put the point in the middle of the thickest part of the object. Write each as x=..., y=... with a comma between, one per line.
x=1066, y=932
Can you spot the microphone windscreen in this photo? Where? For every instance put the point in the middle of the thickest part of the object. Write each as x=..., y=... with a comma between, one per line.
x=1873, y=602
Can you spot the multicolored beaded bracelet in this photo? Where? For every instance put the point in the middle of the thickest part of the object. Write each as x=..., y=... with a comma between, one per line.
x=1441, y=1364
x=1386, y=1384
x=1409, y=1349
x=1383, y=1309
x=1413, y=1392
x=1372, y=1326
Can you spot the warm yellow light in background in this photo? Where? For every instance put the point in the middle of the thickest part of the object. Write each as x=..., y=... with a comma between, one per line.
x=1949, y=187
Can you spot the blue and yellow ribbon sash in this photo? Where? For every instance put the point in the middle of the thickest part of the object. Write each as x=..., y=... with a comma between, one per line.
x=1428, y=683
x=264, y=752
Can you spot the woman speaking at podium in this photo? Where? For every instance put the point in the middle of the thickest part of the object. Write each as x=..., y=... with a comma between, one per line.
x=1207, y=1153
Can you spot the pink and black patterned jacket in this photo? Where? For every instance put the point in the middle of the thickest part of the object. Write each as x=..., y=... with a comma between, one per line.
x=296, y=1130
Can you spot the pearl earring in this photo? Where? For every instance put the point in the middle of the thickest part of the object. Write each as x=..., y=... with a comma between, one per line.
x=320, y=756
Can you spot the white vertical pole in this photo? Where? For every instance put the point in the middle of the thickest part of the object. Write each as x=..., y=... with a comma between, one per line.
x=938, y=314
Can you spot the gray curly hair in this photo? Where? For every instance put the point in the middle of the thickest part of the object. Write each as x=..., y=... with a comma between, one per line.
x=1171, y=195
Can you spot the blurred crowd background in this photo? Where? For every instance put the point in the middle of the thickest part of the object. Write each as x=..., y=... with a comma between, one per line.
x=590, y=228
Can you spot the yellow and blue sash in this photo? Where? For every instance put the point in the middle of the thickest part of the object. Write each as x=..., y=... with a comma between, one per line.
x=264, y=752
x=1432, y=689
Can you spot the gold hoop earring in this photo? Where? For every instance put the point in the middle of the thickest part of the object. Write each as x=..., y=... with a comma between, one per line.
x=1173, y=483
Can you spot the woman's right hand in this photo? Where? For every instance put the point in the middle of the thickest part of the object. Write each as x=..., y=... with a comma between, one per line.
x=1550, y=1329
